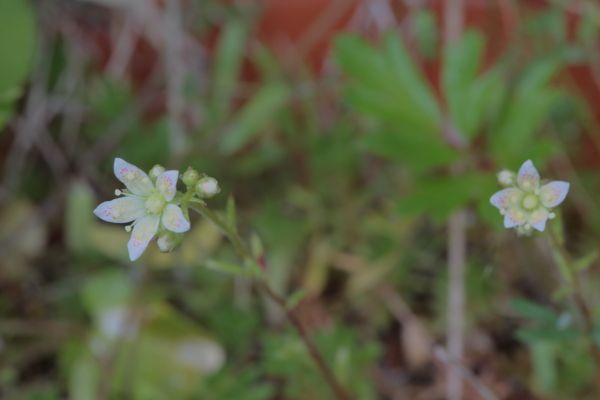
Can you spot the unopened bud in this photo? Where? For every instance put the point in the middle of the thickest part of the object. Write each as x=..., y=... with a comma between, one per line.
x=207, y=187
x=506, y=177
x=156, y=171
x=190, y=177
x=168, y=241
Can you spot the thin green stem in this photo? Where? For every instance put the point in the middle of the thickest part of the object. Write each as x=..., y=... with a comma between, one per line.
x=240, y=248
x=245, y=254
x=570, y=275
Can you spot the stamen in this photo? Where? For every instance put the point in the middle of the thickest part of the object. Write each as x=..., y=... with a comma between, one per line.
x=118, y=192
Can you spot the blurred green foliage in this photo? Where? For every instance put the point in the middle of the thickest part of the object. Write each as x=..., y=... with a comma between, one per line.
x=343, y=183
x=17, y=44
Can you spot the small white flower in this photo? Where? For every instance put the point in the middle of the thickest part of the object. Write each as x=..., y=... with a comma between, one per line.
x=527, y=204
x=149, y=205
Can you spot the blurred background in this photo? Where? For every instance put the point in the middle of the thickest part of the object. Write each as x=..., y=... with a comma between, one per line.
x=360, y=140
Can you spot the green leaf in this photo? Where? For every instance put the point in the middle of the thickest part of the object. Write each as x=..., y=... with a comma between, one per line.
x=228, y=60
x=533, y=311
x=481, y=101
x=106, y=290
x=545, y=374
x=225, y=267
x=79, y=216
x=385, y=84
x=84, y=378
x=426, y=31
x=362, y=62
x=390, y=108
x=438, y=197
x=462, y=62
x=230, y=212
x=548, y=333
x=470, y=97
x=513, y=134
x=17, y=42
x=411, y=80
x=155, y=148
x=245, y=384
x=418, y=152
x=254, y=116
x=538, y=75
x=17, y=45
x=295, y=298
x=586, y=261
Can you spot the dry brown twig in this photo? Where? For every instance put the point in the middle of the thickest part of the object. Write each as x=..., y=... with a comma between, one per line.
x=453, y=14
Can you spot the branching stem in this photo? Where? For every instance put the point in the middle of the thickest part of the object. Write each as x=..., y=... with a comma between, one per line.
x=245, y=254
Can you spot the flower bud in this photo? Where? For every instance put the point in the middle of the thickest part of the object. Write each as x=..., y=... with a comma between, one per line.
x=156, y=171
x=506, y=177
x=190, y=177
x=207, y=187
x=168, y=241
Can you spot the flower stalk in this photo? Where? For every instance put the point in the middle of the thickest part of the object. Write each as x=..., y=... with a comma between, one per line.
x=245, y=254
x=570, y=276
x=527, y=203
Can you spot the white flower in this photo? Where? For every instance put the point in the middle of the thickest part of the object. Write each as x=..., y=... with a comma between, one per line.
x=149, y=205
x=527, y=204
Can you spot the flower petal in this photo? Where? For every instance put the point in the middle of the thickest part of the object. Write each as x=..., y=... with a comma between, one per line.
x=121, y=210
x=174, y=220
x=514, y=217
x=553, y=193
x=143, y=231
x=166, y=183
x=505, y=198
x=528, y=177
x=132, y=177
x=538, y=218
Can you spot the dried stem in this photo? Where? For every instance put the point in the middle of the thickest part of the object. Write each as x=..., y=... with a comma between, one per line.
x=453, y=15
x=175, y=74
x=456, y=301
x=485, y=392
x=243, y=252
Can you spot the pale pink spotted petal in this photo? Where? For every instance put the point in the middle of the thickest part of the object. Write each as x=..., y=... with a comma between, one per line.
x=504, y=198
x=538, y=218
x=174, y=220
x=121, y=210
x=514, y=218
x=553, y=193
x=143, y=232
x=528, y=177
x=166, y=183
x=132, y=177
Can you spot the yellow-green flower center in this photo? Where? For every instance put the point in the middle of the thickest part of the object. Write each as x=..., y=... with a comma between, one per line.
x=155, y=203
x=530, y=202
